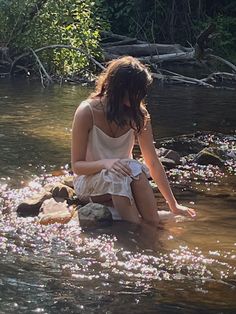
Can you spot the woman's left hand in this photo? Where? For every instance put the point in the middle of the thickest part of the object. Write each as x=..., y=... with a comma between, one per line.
x=178, y=209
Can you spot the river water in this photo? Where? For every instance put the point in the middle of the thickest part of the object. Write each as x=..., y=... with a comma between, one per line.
x=185, y=267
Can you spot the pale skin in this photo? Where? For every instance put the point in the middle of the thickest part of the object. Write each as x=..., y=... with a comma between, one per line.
x=144, y=207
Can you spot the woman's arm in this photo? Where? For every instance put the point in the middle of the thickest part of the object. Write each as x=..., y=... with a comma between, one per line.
x=81, y=126
x=157, y=171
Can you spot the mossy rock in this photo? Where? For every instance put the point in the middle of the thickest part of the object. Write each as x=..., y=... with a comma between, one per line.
x=206, y=157
x=94, y=215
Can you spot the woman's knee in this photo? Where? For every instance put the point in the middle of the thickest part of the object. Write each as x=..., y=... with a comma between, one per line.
x=141, y=182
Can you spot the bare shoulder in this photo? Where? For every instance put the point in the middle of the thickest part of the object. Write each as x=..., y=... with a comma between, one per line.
x=83, y=114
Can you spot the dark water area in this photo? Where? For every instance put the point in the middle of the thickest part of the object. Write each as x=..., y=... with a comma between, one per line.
x=187, y=266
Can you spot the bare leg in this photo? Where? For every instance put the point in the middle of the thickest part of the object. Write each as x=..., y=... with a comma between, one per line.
x=126, y=210
x=145, y=200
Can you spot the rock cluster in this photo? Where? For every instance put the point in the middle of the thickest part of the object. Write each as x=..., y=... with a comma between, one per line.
x=57, y=203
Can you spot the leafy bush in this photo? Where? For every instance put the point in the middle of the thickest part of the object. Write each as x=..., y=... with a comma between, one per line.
x=38, y=23
x=224, y=42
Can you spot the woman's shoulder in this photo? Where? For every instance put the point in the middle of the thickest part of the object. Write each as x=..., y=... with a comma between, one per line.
x=89, y=104
x=83, y=112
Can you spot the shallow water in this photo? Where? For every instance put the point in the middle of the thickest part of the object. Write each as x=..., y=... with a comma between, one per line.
x=184, y=267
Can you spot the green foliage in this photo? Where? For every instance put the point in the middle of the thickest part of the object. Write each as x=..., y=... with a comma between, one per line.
x=34, y=24
x=224, y=42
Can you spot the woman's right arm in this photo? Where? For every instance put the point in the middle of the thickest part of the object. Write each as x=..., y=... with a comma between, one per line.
x=81, y=126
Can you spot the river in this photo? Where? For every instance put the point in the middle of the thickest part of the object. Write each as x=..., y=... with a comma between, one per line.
x=185, y=267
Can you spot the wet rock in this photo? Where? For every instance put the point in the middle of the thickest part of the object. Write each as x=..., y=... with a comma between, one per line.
x=49, y=187
x=169, y=153
x=207, y=156
x=94, y=215
x=167, y=163
x=231, y=154
x=56, y=211
x=31, y=206
x=184, y=145
x=68, y=181
x=62, y=191
x=53, y=205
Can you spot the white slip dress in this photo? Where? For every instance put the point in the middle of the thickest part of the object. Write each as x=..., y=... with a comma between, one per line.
x=102, y=146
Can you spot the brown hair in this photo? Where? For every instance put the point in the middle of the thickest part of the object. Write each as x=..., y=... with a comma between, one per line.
x=124, y=76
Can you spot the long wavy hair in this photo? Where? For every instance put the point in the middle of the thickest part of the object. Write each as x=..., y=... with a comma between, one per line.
x=124, y=77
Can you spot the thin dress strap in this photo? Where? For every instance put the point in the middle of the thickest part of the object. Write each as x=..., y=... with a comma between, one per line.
x=91, y=110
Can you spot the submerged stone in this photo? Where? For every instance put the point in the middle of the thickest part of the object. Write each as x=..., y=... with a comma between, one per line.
x=94, y=215
x=184, y=145
x=206, y=157
x=167, y=163
x=169, y=154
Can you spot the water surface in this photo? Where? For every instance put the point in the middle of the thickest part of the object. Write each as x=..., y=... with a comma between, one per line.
x=185, y=267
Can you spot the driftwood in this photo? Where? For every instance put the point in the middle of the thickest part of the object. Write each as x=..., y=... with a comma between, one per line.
x=57, y=47
x=42, y=68
x=230, y=64
x=156, y=54
x=140, y=50
x=201, y=42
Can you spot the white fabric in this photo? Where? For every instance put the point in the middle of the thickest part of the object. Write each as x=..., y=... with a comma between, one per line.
x=102, y=146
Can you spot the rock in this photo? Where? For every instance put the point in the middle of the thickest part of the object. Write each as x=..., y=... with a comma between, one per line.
x=53, y=211
x=169, y=154
x=184, y=145
x=68, y=181
x=49, y=187
x=53, y=205
x=62, y=191
x=206, y=157
x=31, y=206
x=167, y=163
x=56, y=217
x=94, y=215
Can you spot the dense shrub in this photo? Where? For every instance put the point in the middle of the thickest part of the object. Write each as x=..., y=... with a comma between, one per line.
x=25, y=23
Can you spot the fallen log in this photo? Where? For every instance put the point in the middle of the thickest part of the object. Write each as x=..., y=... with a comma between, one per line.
x=220, y=76
x=141, y=50
x=181, y=56
x=230, y=64
x=109, y=37
x=181, y=79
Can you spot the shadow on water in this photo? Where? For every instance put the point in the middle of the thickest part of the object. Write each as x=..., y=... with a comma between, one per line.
x=184, y=267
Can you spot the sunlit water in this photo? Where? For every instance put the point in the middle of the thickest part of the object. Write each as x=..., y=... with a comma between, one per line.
x=184, y=267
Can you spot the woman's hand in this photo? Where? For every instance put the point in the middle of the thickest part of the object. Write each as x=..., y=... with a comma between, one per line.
x=178, y=209
x=117, y=166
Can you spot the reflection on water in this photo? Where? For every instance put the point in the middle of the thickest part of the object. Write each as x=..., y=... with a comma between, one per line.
x=184, y=267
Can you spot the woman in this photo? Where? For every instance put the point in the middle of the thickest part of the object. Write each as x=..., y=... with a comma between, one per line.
x=103, y=133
